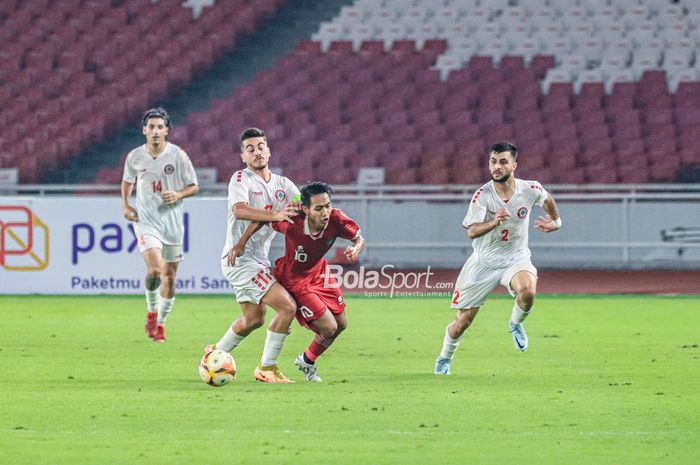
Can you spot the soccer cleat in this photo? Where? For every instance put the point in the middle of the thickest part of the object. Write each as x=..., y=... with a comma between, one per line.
x=309, y=369
x=160, y=334
x=270, y=374
x=442, y=366
x=519, y=336
x=151, y=324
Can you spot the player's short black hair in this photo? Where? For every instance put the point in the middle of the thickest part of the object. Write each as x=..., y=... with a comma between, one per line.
x=504, y=146
x=157, y=112
x=314, y=188
x=252, y=132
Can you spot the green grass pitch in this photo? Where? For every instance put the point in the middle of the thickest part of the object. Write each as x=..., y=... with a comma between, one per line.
x=607, y=380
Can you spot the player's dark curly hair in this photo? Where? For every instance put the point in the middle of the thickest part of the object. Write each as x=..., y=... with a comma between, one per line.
x=504, y=146
x=158, y=112
x=314, y=188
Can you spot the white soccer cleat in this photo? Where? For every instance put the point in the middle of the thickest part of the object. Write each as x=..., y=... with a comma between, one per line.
x=519, y=336
x=442, y=366
x=309, y=369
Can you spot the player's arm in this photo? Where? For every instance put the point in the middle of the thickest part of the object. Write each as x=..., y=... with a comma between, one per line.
x=130, y=212
x=243, y=211
x=358, y=245
x=170, y=197
x=238, y=249
x=475, y=230
x=552, y=221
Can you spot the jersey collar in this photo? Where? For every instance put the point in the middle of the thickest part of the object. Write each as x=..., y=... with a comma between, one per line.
x=307, y=230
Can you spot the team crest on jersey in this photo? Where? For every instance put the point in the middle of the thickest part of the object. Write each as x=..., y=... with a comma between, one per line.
x=169, y=169
x=280, y=195
x=522, y=212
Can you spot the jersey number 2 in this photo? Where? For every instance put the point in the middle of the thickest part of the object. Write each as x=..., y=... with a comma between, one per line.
x=157, y=186
x=504, y=235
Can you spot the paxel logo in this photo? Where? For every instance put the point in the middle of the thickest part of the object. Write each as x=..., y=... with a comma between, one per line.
x=111, y=238
x=24, y=239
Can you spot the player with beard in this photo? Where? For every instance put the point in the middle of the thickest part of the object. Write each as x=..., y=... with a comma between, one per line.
x=497, y=221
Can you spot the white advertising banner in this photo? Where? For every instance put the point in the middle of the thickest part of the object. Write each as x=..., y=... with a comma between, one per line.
x=69, y=245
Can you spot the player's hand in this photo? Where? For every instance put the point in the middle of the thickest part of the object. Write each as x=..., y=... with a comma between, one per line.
x=130, y=213
x=351, y=253
x=170, y=197
x=235, y=252
x=545, y=224
x=502, y=214
x=289, y=212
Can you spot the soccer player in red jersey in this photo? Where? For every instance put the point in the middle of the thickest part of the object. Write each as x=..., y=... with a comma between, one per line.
x=302, y=270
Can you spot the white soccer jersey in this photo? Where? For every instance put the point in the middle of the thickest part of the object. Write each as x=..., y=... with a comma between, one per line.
x=171, y=170
x=506, y=243
x=248, y=187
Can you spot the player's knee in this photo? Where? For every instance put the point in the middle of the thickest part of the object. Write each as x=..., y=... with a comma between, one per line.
x=527, y=297
x=288, y=307
x=254, y=322
x=168, y=280
x=152, y=280
x=461, y=324
x=328, y=331
x=342, y=325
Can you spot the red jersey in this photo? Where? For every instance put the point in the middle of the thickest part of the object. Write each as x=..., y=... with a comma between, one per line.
x=303, y=262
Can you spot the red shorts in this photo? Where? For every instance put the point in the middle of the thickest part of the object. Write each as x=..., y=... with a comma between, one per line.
x=314, y=301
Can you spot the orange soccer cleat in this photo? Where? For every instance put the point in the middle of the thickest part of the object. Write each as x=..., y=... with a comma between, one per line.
x=270, y=374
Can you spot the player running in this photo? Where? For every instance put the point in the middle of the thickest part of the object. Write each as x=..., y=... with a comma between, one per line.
x=303, y=269
x=320, y=303
x=165, y=176
x=497, y=220
x=255, y=194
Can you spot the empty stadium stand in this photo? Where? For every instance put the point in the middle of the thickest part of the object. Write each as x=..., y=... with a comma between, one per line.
x=593, y=91
x=72, y=70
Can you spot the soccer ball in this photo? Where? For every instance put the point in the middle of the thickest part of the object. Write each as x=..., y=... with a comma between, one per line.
x=217, y=368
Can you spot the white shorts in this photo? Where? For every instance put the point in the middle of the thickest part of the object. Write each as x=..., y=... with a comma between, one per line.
x=476, y=281
x=250, y=280
x=171, y=253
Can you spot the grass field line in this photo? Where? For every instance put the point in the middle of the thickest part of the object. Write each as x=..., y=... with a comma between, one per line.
x=426, y=431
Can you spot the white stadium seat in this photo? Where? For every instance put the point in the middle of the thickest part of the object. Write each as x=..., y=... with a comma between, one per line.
x=555, y=75
x=618, y=75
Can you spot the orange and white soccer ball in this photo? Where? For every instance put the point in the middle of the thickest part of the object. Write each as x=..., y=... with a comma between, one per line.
x=217, y=368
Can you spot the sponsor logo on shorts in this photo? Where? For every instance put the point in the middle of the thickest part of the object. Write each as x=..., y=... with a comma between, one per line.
x=280, y=195
x=522, y=212
x=169, y=169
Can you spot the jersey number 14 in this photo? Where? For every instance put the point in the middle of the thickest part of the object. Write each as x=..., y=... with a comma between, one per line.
x=157, y=186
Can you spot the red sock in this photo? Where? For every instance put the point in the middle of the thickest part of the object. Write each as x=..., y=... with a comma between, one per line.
x=318, y=346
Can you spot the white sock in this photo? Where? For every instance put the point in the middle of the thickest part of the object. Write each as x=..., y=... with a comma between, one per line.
x=152, y=300
x=518, y=315
x=449, y=345
x=165, y=305
x=273, y=347
x=229, y=341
